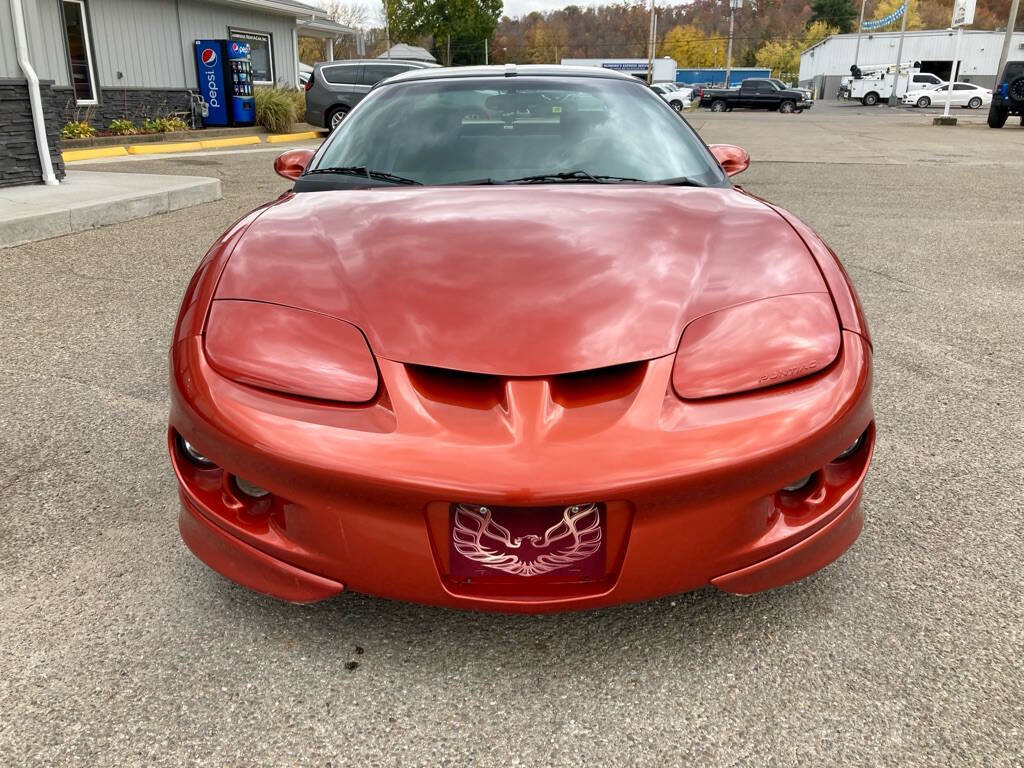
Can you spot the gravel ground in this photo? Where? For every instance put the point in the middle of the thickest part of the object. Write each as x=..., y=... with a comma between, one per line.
x=117, y=647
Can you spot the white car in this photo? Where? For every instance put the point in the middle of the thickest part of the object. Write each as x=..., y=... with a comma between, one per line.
x=964, y=95
x=678, y=98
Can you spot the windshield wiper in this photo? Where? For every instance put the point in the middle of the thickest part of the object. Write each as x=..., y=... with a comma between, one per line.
x=584, y=177
x=362, y=170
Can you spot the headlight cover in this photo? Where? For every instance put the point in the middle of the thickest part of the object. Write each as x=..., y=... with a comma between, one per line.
x=290, y=350
x=755, y=345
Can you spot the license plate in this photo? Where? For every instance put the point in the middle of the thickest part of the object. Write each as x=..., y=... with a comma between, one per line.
x=564, y=544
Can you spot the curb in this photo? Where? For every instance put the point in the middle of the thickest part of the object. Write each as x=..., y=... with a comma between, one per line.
x=161, y=147
x=276, y=138
x=88, y=154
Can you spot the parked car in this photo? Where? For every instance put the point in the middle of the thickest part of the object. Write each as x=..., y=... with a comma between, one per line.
x=445, y=368
x=1008, y=98
x=678, y=98
x=967, y=95
x=755, y=93
x=335, y=87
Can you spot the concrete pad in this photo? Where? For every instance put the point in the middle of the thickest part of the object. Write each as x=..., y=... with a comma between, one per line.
x=87, y=199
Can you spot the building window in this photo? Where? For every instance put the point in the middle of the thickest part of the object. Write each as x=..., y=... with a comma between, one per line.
x=261, y=54
x=76, y=34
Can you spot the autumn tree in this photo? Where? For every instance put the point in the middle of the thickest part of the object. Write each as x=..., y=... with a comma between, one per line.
x=689, y=46
x=459, y=26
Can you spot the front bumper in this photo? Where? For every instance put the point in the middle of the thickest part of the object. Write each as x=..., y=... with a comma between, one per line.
x=361, y=495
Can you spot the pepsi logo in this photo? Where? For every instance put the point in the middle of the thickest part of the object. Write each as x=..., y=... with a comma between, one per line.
x=208, y=57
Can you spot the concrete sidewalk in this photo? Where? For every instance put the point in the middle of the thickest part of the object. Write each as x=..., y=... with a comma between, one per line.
x=88, y=199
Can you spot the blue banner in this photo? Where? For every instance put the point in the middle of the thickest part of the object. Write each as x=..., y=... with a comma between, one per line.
x=886, y=21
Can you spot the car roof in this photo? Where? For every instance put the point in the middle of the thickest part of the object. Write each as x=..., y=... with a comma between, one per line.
x=509, y=70
x=412, y=62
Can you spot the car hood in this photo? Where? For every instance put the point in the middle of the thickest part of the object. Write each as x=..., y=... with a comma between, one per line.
x=519, y=280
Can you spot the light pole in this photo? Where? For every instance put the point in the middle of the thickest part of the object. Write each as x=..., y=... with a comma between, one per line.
x=860, y=31
x=1007, y=39
x=733, y=5
x=893, y=97
x=650, y=47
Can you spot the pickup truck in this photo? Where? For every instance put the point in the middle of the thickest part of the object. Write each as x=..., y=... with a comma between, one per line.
x=755, y=93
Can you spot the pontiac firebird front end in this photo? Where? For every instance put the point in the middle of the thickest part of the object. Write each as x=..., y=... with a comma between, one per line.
x=514, y=397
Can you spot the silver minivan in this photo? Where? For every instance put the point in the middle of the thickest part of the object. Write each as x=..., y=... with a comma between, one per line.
x=334, y=87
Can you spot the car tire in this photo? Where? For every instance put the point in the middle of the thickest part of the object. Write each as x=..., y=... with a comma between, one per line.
x=718, y=105
x=787, y=107
x=676, y=105
x=870, y=99
x=336, y=116
x=997, y=116
x=923, y=103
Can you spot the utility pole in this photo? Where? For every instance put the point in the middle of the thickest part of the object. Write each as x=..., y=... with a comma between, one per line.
x=860, y=32
x=387, y=30
x=650, y=47
x=486, y=60
x=893, y=98
x=733, y=5
x=449, y=55
x=1007, y=39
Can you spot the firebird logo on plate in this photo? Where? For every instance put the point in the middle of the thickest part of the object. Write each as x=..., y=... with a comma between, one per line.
x=575, y=537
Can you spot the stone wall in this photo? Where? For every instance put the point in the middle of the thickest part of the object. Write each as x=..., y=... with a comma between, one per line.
x=136, y=104
x=19, y=159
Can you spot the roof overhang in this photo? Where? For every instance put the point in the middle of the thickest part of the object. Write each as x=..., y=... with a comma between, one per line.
x=311, y=21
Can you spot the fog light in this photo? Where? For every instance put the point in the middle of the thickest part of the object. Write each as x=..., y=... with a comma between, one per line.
x=803, y=482
x=192, y=453
x=851, y=450
x=250, y=489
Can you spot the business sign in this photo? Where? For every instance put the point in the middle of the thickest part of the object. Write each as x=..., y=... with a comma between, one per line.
x=625, y=66
x=963, y=13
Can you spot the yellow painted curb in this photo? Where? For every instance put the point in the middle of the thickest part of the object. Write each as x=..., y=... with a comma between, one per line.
x=88, y=154
x=159, y=148
x=233, y=142
x=277, y=138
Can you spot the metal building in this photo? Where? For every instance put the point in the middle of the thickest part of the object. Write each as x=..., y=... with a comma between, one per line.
x=823, y=65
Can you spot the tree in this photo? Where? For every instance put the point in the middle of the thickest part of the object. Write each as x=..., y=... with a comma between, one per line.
x=781, y=58
x=842, y=14
x=689, y=46
x=816, y=32
x=465, y=24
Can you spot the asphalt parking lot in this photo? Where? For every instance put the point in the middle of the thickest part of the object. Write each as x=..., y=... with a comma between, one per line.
x=117, y=647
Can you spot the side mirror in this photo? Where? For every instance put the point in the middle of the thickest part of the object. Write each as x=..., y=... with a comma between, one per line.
x=292, y=163
x=733, y=159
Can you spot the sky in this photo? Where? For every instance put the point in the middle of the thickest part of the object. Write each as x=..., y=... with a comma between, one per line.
x=515, y=8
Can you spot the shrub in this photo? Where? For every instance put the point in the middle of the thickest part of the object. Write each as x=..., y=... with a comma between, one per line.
x=163, y=125
x=77, y=129
x=275, y=109
x=122, y=127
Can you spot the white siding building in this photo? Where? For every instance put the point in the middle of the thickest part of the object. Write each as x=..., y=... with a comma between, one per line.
x=823, y=65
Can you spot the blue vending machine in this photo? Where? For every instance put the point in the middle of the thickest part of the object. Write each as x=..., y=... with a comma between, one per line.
x=224, y=72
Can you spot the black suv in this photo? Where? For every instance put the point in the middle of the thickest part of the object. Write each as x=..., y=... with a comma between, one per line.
x=1008, y=96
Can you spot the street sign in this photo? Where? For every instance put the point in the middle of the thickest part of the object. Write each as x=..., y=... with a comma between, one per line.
x=963, y=13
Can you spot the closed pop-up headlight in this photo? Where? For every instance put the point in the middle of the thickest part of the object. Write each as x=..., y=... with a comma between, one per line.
x=757, y=344
x=290, y=350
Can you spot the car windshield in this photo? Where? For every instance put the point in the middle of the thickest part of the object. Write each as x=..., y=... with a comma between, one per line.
x=496, y=130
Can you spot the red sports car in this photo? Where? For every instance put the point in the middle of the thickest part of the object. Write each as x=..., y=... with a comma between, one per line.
x=513, y=341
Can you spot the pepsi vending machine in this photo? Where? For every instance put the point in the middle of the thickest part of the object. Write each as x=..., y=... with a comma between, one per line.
x=224, y=72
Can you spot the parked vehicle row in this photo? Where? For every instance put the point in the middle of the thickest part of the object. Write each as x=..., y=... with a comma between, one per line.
x=678, y=97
